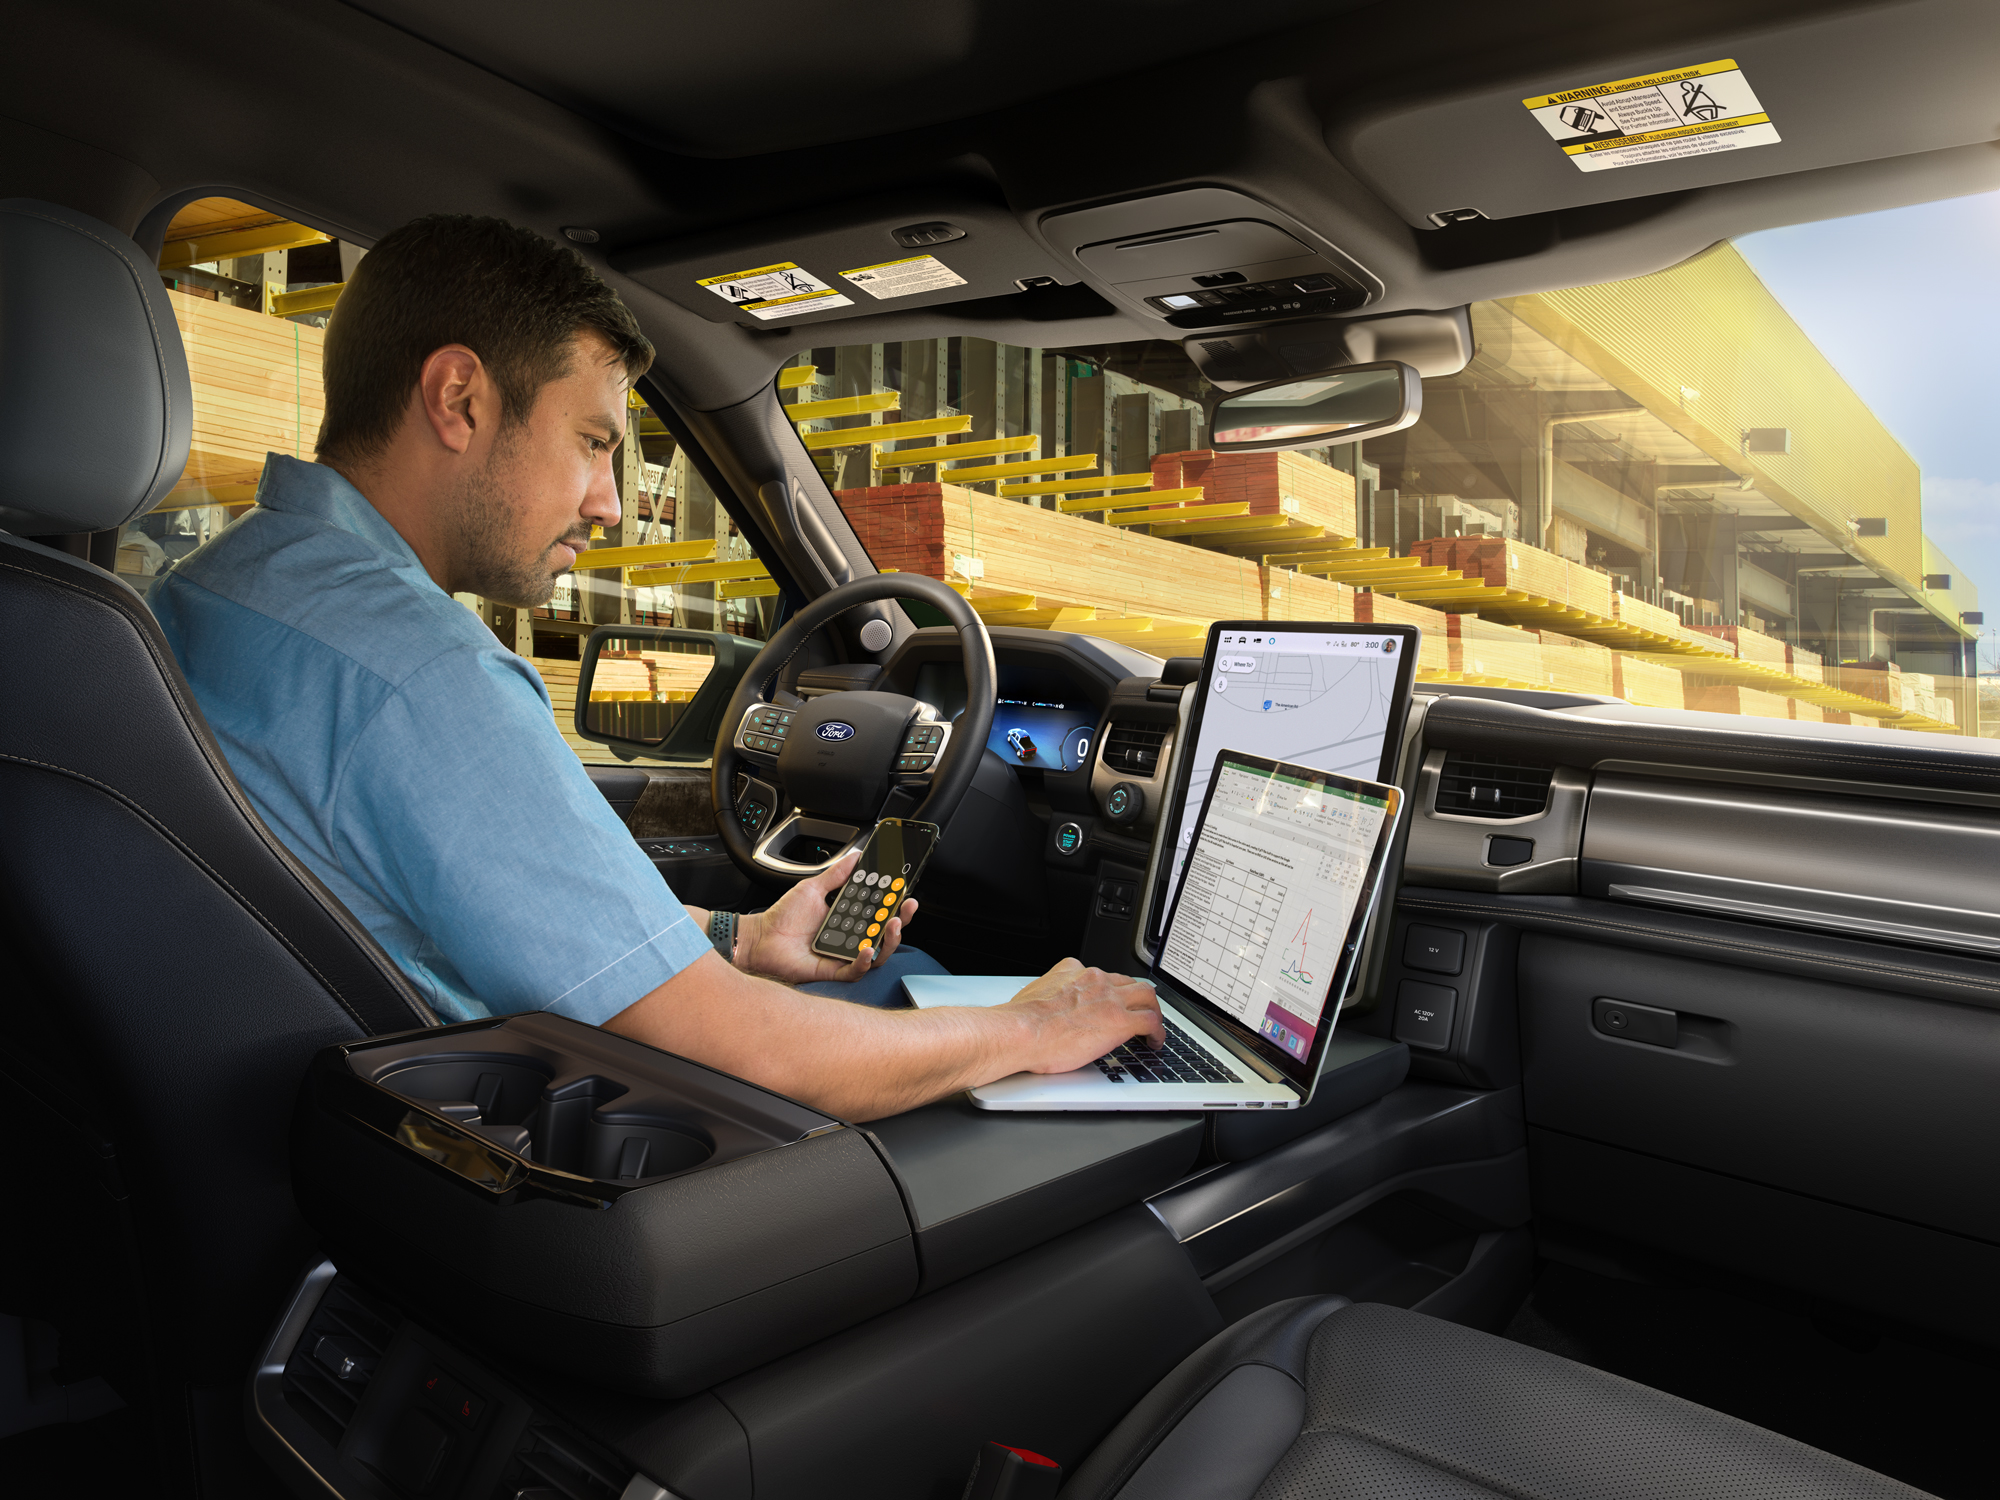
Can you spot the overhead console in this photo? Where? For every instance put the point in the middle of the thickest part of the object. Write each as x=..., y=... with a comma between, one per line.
x=1209, y=258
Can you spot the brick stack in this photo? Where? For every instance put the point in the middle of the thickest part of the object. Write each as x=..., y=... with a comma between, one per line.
x=900, y=525
x=1270, y=483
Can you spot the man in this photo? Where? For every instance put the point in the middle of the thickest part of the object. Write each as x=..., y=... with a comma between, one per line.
x=476, y=379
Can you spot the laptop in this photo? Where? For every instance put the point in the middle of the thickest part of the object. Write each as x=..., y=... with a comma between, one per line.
x=1263, y=941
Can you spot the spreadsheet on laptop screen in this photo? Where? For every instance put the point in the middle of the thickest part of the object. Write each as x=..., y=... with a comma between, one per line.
x=1272, y=883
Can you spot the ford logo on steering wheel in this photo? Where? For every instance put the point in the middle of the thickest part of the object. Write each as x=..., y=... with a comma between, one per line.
x=833, y=729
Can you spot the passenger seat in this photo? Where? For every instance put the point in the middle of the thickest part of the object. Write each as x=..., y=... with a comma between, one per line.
x=1322, y=1399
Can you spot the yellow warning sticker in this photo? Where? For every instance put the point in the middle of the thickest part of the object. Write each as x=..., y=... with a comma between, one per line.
x=780, y=291
x=1699, y=110
x=901, y=278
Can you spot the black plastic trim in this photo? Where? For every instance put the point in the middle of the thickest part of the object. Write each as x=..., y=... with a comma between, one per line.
x=1487, y=727
x=1880, y=966
x=1249, y=1211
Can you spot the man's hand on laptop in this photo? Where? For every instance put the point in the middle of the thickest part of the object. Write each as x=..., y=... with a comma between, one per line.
x=1077, y=1015
x=778, y=942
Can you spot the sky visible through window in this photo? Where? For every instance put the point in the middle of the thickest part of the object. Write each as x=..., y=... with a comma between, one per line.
x=1906, y=303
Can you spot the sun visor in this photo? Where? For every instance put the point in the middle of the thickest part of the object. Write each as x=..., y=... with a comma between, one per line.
x=873, y=256
x=1729, y=105
x=1209, y=258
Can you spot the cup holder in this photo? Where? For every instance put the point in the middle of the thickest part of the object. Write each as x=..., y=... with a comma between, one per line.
x=569, y=1125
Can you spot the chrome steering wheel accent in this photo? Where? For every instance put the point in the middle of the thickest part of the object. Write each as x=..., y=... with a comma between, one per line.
x=844, y=759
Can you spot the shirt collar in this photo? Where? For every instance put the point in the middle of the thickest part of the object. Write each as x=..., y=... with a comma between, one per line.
x=307, y=489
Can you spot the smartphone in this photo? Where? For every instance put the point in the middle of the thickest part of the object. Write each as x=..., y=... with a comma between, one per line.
x=883, y=879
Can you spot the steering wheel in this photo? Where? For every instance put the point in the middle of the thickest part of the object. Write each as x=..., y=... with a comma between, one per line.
x=843, y=760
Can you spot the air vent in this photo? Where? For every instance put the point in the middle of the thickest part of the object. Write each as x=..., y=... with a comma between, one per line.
x=1133, y=750
x=552, y=1465
x=330, y=1368
x=1482, y=788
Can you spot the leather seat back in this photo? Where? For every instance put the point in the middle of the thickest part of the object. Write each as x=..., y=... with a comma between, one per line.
x=169, y=968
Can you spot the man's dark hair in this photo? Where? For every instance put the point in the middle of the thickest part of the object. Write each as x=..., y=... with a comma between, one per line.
x=515, y=299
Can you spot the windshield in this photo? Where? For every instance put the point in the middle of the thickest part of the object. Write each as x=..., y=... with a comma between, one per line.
x=1661, y=490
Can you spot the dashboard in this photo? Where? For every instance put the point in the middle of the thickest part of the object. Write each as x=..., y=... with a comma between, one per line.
x=1044, y=717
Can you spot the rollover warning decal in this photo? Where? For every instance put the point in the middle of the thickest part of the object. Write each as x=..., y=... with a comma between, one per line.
x=779, y=291
x=1694, y=111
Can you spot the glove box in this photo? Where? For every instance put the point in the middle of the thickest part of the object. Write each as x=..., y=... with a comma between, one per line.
x=594, y=1206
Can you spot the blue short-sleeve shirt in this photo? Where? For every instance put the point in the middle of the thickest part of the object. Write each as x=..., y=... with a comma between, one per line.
x=413, y=762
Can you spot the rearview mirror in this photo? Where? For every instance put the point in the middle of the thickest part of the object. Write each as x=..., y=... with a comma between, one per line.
x=653, y=691
x=1339, y=406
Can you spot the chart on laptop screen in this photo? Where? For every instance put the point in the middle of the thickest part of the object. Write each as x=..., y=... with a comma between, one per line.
x=1315, y=699
x=1271, y=888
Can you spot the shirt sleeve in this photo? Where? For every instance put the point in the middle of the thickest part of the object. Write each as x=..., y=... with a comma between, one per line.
x=463, y=808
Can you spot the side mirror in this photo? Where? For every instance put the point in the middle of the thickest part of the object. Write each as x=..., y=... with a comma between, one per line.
x=661, y=693
x=1339, y=406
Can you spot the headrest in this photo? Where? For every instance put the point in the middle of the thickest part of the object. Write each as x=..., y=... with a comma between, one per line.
x=95, y=407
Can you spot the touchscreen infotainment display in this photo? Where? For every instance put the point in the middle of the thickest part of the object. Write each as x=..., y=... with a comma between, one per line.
x=1330, y=696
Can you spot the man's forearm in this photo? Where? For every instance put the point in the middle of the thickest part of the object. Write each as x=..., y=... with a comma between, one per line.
x=849, y=1060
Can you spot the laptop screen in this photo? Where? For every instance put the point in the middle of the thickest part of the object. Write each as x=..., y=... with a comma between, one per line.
x=1329, y=696
x=1266, y=929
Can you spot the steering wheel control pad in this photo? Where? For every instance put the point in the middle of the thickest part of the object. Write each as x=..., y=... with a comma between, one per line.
x=840, y=753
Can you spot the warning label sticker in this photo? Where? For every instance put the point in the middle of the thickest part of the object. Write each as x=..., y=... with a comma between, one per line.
x=1692, y=111
x=899, y=278
x=780, y=291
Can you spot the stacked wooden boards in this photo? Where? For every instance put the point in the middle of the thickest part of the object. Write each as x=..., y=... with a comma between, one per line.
x=256, y=391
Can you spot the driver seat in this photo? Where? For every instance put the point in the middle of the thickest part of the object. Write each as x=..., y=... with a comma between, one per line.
x=169, y=968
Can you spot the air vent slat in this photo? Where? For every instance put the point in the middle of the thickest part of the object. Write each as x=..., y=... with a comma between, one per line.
x=315, y=1392
x=1481, y=787
x=1133, y=749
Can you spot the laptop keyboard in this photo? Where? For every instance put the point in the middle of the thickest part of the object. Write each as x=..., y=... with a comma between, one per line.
x=1179, y=1061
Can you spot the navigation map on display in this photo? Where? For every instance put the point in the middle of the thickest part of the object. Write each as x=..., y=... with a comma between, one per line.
x=1271, y=891
x=1318, y=700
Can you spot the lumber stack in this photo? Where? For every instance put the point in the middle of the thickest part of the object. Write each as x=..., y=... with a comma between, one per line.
x=1746, y=644
x=1300, y=596
x=1647, y=683
x=559, y=677
x=1745, y=702
x=1271, y=484
x=1516, y=565
x=1486, y=649
x=1572, y=665
x=649, y=676
x=256, y=391
x=950, y=532
x=1638, y=613
x=1434, y=652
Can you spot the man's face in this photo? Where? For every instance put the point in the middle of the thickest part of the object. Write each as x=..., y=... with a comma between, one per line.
x=522, y=518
